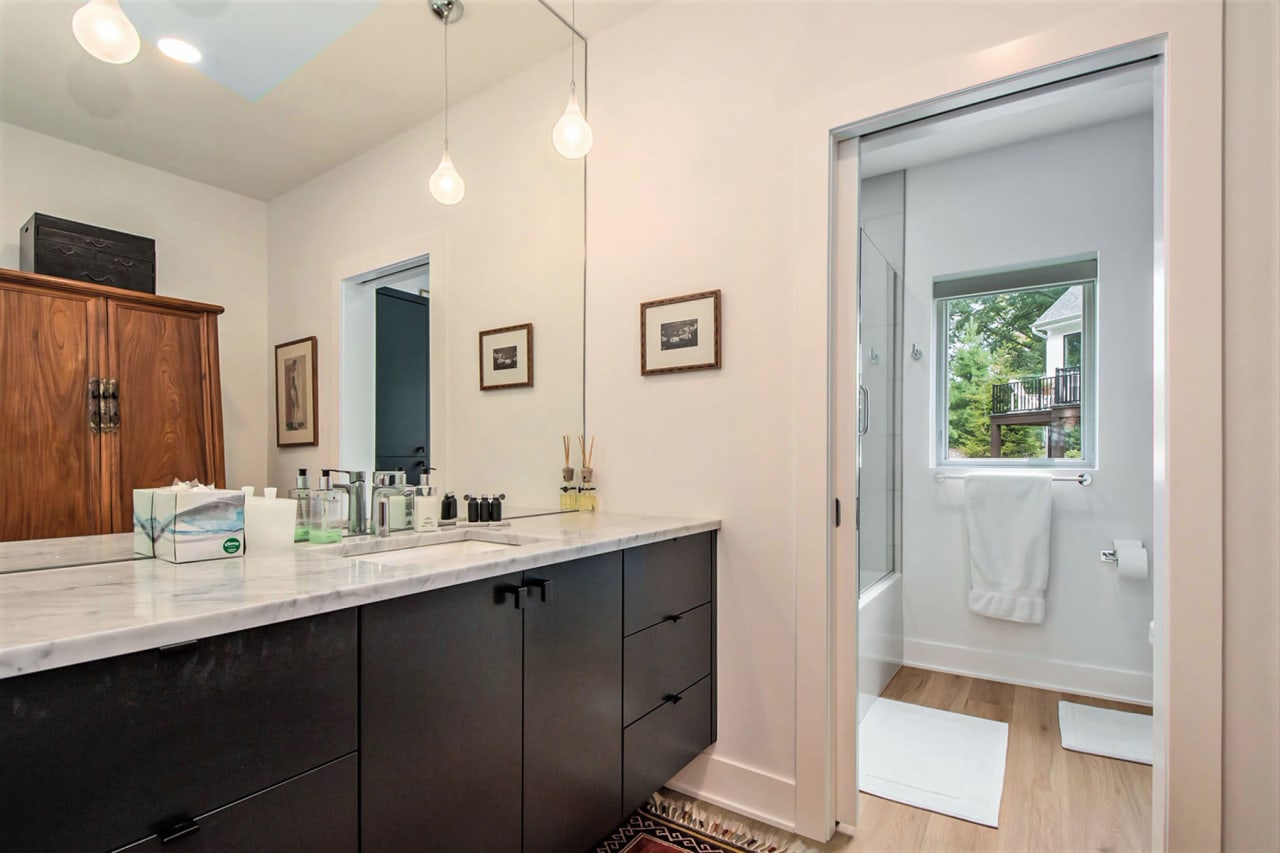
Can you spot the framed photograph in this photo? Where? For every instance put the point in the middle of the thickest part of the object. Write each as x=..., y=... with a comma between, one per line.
x=681, y=333
x=296, y=393
x=506, y=358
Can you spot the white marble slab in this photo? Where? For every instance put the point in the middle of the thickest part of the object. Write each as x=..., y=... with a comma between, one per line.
x=58, y=617
x=31, y=554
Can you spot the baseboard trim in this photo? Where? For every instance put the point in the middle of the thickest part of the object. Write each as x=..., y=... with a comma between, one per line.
x=749, y=792
x=1047, y=674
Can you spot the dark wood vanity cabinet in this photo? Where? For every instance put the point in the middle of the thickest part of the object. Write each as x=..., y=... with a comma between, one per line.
x=101, y=755
x=490, y=701
x=105, y=391
x=511, y=715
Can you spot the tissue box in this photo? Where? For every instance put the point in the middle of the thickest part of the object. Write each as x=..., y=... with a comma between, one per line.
x=188, y=525
x=144, y=522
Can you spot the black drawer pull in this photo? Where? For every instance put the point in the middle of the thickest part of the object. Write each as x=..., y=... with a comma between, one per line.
x=673, y=698
x=521, y=594
x=177, y=647
x=543, y=587
x=673, y=618
x=175, y=828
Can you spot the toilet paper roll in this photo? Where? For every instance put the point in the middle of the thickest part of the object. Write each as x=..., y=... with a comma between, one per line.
x=1131, y=559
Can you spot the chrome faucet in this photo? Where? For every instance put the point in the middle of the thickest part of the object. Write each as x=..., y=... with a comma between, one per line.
x=388, y=484
x=357, y=509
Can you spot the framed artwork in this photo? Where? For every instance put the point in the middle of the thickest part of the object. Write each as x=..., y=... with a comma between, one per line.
x=506, y=358
x=296, y=394
x=681, y=333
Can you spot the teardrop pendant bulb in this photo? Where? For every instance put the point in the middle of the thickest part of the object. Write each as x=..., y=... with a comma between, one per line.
x=105, y=32
x=447, y=186
x=572, y=135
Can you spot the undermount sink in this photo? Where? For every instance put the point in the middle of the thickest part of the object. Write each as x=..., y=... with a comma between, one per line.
x=423, y=553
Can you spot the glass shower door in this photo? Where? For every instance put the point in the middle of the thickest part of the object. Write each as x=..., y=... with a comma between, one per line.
x=879, y=404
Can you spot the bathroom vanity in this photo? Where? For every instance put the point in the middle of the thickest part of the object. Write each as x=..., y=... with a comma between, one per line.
x=489, y=689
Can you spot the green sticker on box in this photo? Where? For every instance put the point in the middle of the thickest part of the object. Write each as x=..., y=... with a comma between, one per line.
x=231, y=545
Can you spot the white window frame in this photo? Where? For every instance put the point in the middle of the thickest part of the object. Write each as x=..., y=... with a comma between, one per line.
x=1024, y=277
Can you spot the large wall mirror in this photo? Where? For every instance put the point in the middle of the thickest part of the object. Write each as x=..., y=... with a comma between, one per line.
x=284, y=176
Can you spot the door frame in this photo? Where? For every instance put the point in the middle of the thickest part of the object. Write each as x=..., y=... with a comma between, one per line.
x=1188, y=404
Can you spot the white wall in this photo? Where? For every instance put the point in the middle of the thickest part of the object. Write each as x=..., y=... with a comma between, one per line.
x=693, y=186
x=509, y=253
x=211, y=246
x=1251, y=233
x=1083, y=191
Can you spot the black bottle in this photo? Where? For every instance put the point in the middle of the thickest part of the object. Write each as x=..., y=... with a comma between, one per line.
x=495, y=508
x=473, y=508
x=486, y=509
x=449, y=507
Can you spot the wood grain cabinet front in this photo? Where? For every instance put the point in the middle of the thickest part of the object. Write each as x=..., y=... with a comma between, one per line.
x=105, y=391
x=94, y=756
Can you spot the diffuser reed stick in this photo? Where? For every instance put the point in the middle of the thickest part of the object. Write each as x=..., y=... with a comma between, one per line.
x=587, y=495
x=568, y=489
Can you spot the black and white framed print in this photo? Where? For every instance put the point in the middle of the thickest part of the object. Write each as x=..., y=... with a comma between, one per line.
x=506, y=358
x=680, y=333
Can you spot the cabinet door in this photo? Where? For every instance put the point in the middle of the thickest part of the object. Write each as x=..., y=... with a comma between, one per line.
x=403, y=378
x=440, y=712
x=53, y=483
x=317, y=812
x=169, y=427
x=573, y=704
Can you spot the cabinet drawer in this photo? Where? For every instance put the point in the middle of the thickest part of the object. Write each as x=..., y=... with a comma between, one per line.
x=318, y=812
x=81, y=264
x=665, y=578
x=665, y=659
x=108, y=748
x=139, y=248
x=658, y=746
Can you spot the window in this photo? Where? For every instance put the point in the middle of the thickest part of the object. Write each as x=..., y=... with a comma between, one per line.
x=1014, y=380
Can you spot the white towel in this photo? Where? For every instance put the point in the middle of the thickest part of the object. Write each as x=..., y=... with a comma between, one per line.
x=1008, y=520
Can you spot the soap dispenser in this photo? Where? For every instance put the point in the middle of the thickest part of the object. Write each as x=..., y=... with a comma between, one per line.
x=426, y=505
x=326, y=522
x=302, y=494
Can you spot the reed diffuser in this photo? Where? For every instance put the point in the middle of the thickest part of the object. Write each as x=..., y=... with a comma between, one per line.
x=587, y=500
x=568, y=488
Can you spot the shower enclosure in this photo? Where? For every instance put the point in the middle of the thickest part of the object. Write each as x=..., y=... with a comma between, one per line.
x=879, y=418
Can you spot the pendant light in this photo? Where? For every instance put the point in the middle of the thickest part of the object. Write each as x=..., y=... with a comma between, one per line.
x=447, y=186
x=572, y=135
x=105, y=32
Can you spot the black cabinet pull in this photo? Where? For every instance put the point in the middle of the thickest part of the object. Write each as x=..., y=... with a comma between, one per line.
x=543, y=587
x=520, y=593
x=175, y=828
x=673, y=618
x=178, y=647
x=673, y=698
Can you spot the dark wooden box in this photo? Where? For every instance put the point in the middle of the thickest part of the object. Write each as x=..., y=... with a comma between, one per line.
x=66, y=249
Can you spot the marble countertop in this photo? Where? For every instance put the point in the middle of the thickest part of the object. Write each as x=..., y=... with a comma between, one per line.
x=63, y=616
x=25, y=555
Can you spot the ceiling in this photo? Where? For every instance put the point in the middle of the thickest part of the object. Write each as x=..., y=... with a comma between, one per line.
x=1084, y=102
x=345, y=76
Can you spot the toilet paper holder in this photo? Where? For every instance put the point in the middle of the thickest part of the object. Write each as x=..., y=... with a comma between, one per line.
x=1108, y=555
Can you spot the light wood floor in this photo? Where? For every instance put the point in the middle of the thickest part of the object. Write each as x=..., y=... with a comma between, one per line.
x=1054, y=800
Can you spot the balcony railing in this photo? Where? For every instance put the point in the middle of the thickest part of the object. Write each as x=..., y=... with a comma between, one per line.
x=1039, y=394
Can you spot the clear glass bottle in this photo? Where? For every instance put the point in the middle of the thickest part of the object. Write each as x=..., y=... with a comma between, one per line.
x=302, y=494
x=326, y=522
x=587, y=494
x=568, y=490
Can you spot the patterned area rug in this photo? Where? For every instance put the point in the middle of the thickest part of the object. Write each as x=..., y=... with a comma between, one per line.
x=645, y=833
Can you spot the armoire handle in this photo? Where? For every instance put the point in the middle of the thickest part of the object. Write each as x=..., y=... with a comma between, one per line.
x=94, y=394
x=110, y=405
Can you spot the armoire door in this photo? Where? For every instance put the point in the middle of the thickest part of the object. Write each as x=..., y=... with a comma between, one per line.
x=159, y=358
x=402, y=431
x=52, y=483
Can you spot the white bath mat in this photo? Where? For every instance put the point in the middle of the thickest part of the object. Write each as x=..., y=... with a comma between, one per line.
x=948, y=763
x=1101, y=731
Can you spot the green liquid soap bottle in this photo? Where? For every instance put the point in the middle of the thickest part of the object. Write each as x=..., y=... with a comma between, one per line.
x=326, y=522
x=302, y=494
x=568, y=491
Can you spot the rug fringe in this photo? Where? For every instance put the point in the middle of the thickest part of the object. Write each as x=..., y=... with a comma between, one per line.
x=723, y=825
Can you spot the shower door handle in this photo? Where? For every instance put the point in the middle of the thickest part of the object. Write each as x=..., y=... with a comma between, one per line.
x=864, y=410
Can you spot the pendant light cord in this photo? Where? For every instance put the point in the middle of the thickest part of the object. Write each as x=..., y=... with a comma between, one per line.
x=446, y=80
x=573, y=45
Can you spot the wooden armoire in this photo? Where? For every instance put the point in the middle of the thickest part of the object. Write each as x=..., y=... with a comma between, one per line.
x=102, y=390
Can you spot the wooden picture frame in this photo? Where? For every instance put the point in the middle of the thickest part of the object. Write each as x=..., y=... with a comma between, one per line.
x=297, y=388
x=674, y=337
x=506, y=358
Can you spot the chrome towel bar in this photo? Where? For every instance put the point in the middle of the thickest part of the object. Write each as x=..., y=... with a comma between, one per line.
x=1082, y=479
